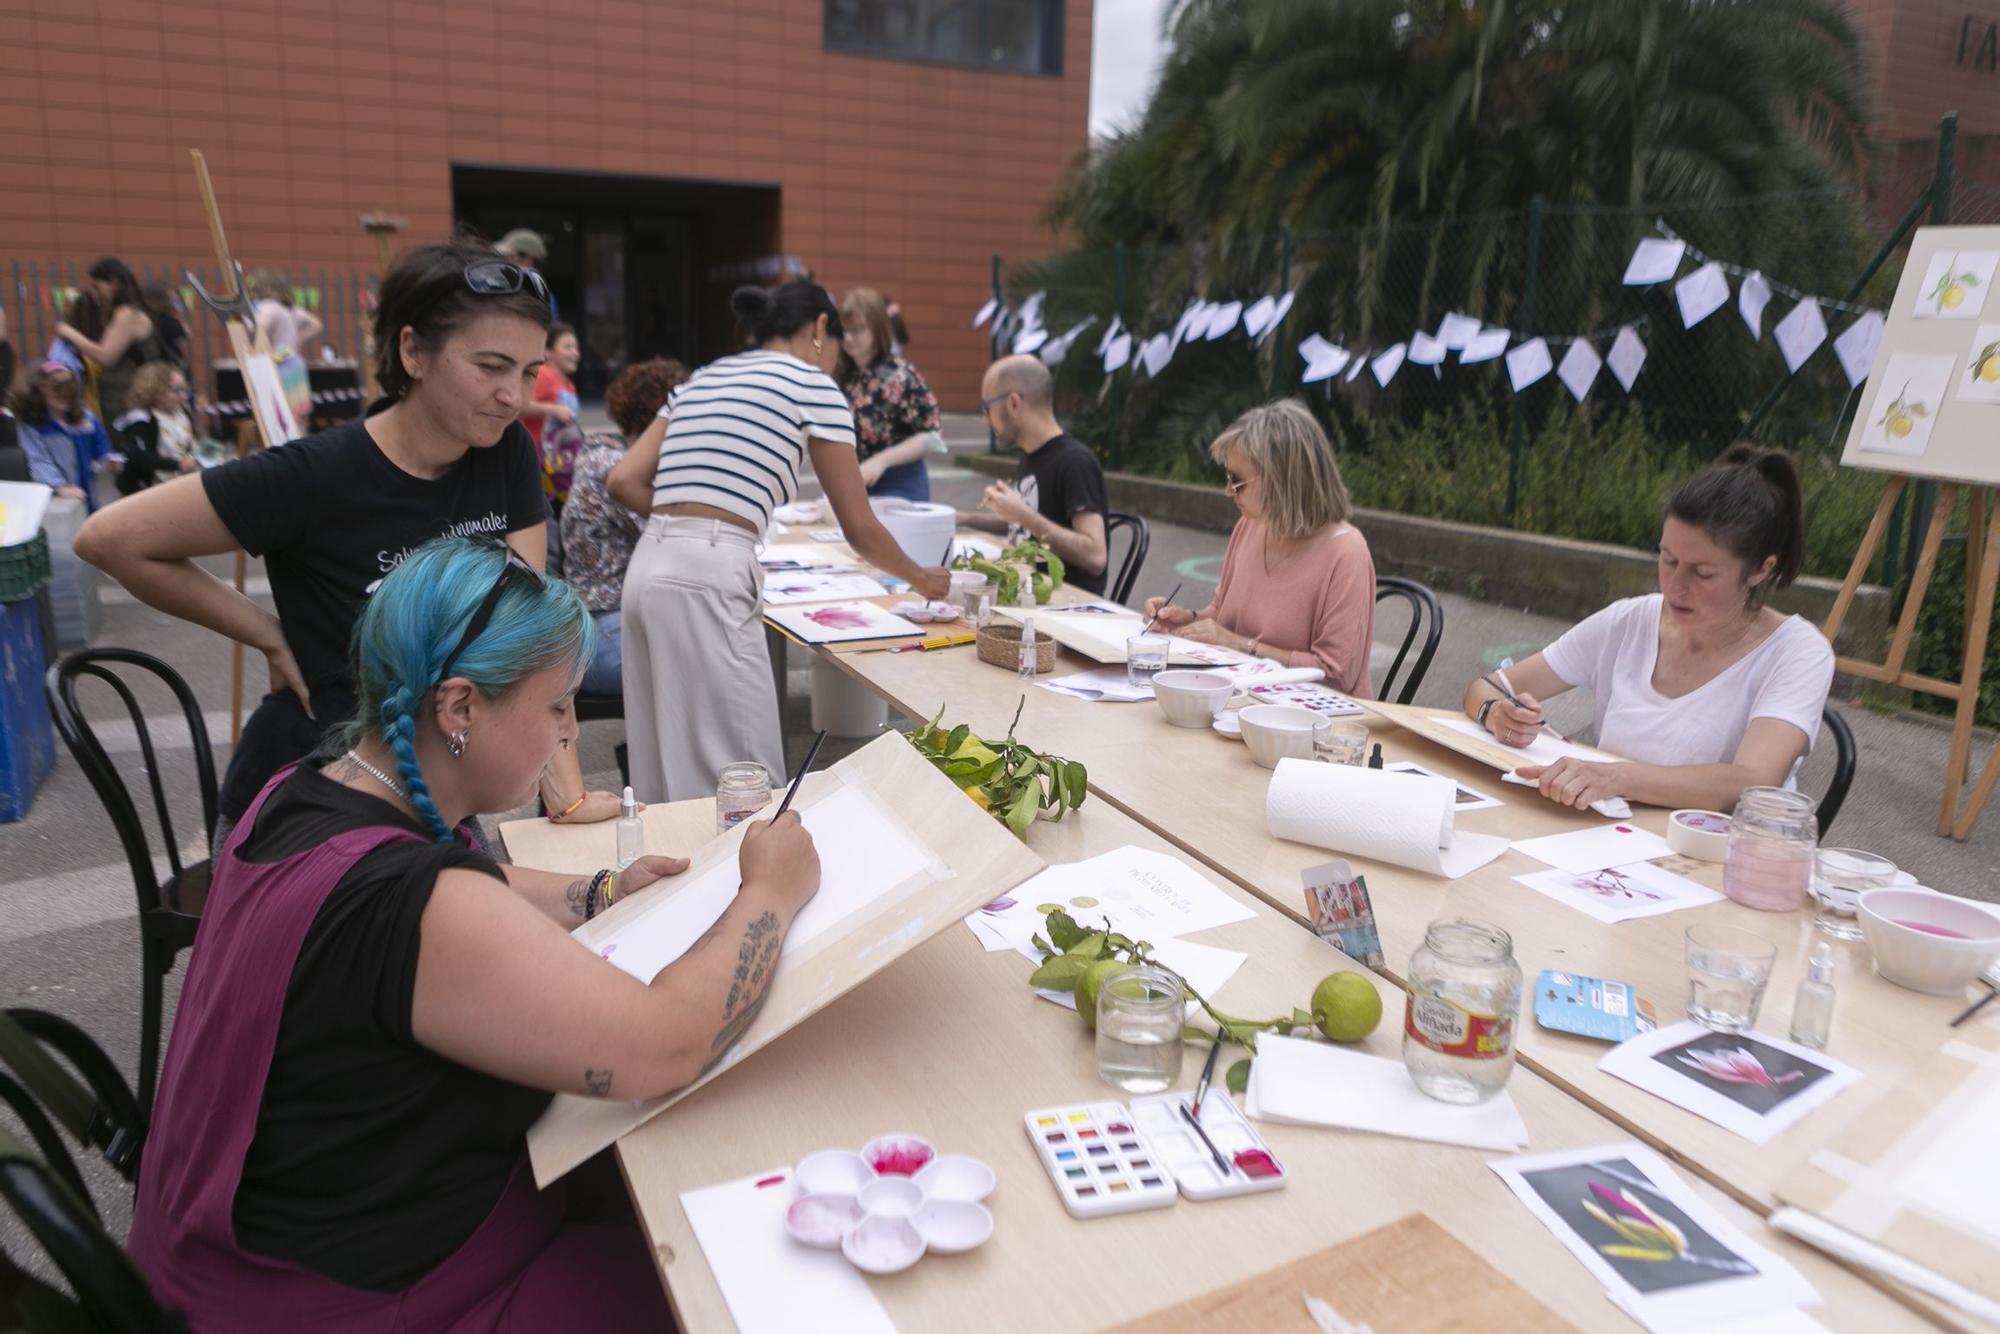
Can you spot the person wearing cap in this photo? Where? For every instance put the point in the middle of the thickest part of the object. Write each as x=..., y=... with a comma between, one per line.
x=525, y=247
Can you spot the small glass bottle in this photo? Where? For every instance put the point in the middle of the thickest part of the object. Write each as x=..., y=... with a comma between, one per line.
x=1026, y=666
x=1812, y=1008
x=1773, y=835
x=1458, y=1021
x=631, y=833
x=741, y=790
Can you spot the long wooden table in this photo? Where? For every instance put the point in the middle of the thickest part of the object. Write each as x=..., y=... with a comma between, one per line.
x=952, y=1044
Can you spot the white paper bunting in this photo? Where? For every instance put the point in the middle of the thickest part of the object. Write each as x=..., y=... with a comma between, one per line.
x=1257, y=318
x=1701, y=293
x=1800, y=333
x=1484, y=346
x=1156, y=353
x=1628, y=354
x=1386, y=365
x=1355, y=367
x=1031, y=311
x=1111, y=331
x=1751, y=298
x=985, y=313
x=1528, y=363
x=1426, y=350
x=1579, y=368
x=1456, y=330
x=1118, y=353
x=1856, y=346
x=1223, y=320
x=1654, y=261
x=1324, y=360
x=1197, y=311
x=1283, y=308
x=1029, y=340
x=1056, y=349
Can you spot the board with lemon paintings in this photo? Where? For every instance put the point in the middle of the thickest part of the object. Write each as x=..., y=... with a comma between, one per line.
x=1931, y=404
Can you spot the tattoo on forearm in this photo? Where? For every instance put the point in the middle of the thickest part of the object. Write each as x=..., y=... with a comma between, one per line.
x=706, y=936
x=597, y=1083
x=578, y=891
x=756, y=961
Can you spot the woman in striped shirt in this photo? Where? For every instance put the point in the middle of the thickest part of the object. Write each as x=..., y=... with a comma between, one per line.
x=722, y=455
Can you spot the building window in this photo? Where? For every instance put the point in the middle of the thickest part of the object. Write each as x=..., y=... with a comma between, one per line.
x=1022, y=36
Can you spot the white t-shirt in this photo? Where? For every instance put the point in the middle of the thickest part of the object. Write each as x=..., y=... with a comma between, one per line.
x=1613, y=653
x=737, y=432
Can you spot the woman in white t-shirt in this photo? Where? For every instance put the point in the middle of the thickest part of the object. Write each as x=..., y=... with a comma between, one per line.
x=1701, y=688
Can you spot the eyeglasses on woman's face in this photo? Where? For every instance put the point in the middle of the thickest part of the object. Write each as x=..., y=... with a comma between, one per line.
x=1234, y=486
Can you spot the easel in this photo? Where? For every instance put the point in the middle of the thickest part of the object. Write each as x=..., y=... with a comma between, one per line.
x=1982, y=567
x=383, y=228
x=239, y=318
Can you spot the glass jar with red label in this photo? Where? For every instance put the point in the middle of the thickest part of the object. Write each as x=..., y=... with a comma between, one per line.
x=1458, y=1023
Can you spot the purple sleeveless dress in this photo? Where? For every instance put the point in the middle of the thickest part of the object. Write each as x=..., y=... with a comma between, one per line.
x=523, y=1269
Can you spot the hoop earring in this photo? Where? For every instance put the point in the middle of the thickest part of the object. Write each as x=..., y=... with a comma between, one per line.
x=455, y=743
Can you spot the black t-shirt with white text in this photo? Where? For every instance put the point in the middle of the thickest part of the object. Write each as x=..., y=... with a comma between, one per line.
x=1063, y=479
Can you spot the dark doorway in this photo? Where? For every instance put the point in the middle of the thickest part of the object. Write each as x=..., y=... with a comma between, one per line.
x=641, y=265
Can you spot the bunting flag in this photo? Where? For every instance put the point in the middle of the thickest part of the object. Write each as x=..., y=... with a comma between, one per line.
x=1579, y=368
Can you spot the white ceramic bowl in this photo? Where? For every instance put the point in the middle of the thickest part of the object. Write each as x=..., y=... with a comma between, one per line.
x=1893, y=922
x=1278, y=732
x=1191, y=699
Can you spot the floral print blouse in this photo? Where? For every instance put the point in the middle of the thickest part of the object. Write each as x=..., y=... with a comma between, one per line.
x=891, y=403
x=598, y=533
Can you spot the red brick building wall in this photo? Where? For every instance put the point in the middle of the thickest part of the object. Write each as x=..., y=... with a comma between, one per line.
x=900, y=175
x=1920, y=74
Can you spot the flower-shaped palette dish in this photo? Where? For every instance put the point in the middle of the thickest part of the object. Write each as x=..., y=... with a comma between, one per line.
x=923, y=613
x=884, y=1207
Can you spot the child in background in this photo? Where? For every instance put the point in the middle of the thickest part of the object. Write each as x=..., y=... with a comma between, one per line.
x=555, y=397
x=155, y=435
x=65, y=443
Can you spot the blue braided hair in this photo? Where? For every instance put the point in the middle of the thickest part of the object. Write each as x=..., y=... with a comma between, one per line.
x=417, y=616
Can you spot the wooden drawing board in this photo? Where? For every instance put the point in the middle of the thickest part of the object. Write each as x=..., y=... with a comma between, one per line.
x=1431, y=724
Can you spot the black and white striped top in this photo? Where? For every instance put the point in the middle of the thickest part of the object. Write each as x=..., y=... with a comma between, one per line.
x=737, y=431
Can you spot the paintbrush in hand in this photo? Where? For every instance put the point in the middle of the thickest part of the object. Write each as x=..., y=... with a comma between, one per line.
x=800, y=777
x=1163, y=606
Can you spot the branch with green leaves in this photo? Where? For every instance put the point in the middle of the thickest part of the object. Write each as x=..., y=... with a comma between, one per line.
x=1045, y=569
x=1012, y=781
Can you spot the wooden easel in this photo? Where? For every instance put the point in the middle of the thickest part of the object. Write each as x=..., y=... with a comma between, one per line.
x=383, y=229
x=1982, y=567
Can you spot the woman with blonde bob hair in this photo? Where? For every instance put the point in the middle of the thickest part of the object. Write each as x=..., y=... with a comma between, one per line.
x=1298, y=584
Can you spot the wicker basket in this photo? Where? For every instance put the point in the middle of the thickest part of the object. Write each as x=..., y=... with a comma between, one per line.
x=999, y=644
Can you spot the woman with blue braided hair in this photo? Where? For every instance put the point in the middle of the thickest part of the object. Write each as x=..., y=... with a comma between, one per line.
x=375, y=1013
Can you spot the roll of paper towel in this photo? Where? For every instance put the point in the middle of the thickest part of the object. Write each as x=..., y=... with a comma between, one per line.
x=924, y=531
x=1401, y=818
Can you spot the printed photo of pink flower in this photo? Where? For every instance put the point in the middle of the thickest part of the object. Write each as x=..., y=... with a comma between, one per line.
x=1749, y=1072
x=1647, y=1235
x=1740, y=1066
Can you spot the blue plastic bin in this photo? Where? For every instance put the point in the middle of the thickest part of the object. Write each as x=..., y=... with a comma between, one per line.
x=27, y=740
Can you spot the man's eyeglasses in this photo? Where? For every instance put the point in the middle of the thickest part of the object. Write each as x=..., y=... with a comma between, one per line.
x=986, y=403
x=515, y=568
x=499, y=277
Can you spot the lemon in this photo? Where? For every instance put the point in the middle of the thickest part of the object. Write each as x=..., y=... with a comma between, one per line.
x=1901, y=424
x=1953, y=298
x=1346, y=1007
x=1989, y=369
x=979, y=798
x=1089, y=985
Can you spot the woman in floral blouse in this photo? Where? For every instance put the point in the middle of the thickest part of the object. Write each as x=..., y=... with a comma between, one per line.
x=895, y=413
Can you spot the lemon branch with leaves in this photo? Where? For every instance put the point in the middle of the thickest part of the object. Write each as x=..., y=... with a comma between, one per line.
x=1006, y=778
x=1901, y=416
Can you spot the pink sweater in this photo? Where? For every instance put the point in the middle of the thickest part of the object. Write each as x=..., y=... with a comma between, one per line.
x=1320, y=601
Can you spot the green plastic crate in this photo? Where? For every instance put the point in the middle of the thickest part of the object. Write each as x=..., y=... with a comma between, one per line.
x=24, y=568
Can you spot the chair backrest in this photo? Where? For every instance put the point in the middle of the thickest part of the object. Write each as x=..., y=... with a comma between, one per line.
x=1119, y=586
x=111, y=1293
x=61, y=688
x=97, y=1109
x=1427, y=617
x=1845, y=754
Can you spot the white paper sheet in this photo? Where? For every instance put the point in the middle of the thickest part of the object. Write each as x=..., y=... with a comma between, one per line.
x=1528, y=363
x=775, y=1285
x=1157, y=352
x=1147, y=895
x=1751, y=298
x=1324, y=360
x=1583, y=850
x=841, y=622
x=1031, y=311
x=25, y=503
x=1579, y=368
x=1258, y=317
x=1856, y=345
x=1405, y=819
x=1111, y=331
x=1100, y=685
x=1484, y=346
x=985, y=313
x=1387, y=364
x=1283, y=309
x=1957, y=1175
x=1701, y=294
x=1223, y=320
x=802, y=553
x=1355, y=367
x=1955, y=285
x=787, y=588
x=1654, y=260
x=1118, y=353
x=1029, y=340
x=1759, y=1067
x=1301, y=1082
x=1620, y=893
x=1628, y=354
x=1800, y=333
x=1980, y=380
x=1905, y=404
x=1457, y=331
x=1464, y=798
x=1545, y=749
x=1426, y=350
x=1769, y=1288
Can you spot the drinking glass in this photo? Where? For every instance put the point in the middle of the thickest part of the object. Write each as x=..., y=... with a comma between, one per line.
x=741, y=790
x=1341, y=741
x=1727, y=972
x=1840, y=876
x=1140, y=1009
x=1145, y=655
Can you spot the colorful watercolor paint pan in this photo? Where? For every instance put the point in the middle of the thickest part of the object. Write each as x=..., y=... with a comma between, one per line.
x=1253, y=1167
x=1100, y=1161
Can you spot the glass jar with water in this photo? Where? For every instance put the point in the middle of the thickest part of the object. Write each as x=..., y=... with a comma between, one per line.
x=1458, y=1022
x=1772, y=837
x=1140, y=1009
x=741, y=790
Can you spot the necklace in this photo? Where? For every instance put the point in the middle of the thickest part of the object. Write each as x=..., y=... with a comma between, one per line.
x=376, y=774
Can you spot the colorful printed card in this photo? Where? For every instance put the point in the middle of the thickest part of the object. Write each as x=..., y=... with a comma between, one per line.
x=1590, y=1007
x=1342, y=915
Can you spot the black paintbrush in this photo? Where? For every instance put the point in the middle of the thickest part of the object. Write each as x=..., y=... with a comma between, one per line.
x=1221, y=1163
x=800, y=777
x=1207, y=1073
x=1163, y=606
x=1977, y=1006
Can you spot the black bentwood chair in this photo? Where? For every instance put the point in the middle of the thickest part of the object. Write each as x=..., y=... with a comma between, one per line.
x=598, y=708
x=1845, y=754
x=1119, y=586
x=1425, y=611
x=97, y=1108
x=169, y=905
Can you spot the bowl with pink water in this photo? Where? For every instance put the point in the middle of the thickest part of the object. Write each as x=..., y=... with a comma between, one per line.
x=1928, y=942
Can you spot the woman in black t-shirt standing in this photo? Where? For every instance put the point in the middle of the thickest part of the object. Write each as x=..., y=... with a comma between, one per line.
x=460, y=334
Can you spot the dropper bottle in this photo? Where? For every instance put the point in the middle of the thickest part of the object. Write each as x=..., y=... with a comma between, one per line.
x=1812, y=1008
x=631, y=833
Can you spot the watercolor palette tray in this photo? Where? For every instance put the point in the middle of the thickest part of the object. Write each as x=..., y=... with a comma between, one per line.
x=885, y=1207
x=1099, y=1161
x=1252, y=1165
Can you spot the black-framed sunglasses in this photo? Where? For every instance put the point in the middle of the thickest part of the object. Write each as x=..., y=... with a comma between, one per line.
x=499, y=277
x=514, y=568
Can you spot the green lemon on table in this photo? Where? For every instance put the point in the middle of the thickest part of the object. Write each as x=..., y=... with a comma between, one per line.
x=1346, y=1007
x=1089, y=985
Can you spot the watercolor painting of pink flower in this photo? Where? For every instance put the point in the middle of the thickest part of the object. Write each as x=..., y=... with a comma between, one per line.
x=1610, y=884
x=1735, y=1067
x=839, y=618
x=1646, y=1234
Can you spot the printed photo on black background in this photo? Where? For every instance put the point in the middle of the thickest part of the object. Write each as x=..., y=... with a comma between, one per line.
x=1651, y=1243
x=1752, y=1074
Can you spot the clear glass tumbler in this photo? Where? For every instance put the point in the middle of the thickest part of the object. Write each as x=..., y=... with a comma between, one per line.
x=1839, y=877
x=1341, y=741
x=741, y=790
x=1728, y=970
x=1769, y=862
x=1144, y=656
x=1140, y=1009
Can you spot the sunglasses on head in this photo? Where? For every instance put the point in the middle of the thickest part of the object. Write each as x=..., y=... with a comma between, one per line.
x=514, y=568
x=499, y=277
